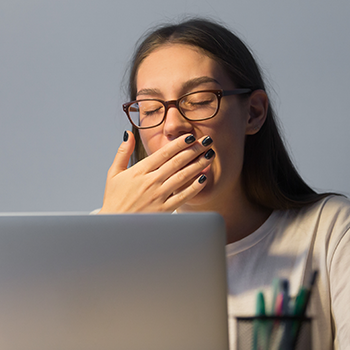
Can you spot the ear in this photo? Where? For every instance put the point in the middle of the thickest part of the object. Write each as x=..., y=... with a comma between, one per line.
x=258, y=105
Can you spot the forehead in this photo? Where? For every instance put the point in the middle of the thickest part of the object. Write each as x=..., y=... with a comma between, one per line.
x=173, y=64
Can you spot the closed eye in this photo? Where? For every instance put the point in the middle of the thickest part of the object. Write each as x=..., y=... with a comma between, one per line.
x=200, y=103
x=148, y=113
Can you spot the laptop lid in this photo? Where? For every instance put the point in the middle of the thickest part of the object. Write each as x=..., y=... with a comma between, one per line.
x=128, y=282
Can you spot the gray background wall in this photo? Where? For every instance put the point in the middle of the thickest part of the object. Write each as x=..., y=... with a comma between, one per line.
x=61, y=68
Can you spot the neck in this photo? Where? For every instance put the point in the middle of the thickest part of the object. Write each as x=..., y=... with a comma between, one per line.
x=244, y=222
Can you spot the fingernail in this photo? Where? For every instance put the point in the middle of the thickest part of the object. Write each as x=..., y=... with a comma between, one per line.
x=202, y=179
x=209, y=154
x=125, y=136
x=190, y=139
x=207, y=141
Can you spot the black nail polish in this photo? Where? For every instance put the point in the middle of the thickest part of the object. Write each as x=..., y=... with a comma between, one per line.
x=125, y=136
x=209, y=154
x=207, y=141
x=202, y=179
x=190, y=139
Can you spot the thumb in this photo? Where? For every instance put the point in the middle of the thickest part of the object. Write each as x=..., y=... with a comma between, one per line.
x=123, y=155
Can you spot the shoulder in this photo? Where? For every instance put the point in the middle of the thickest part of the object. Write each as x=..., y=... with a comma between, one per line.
x=333, y=209
x=329, y=221
x=335, y=220
x=325, y=222
x=329, y=208
x=327, y=211
x=337, y=201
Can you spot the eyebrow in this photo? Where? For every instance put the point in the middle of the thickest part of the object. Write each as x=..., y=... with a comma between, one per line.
x=186, y=87
x=192, y=83
x=148, y=92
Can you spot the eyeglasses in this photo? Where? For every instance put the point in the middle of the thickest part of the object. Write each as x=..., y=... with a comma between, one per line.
x=193, y=106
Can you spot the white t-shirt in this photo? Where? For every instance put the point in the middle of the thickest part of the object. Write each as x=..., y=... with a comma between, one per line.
x=290, y=244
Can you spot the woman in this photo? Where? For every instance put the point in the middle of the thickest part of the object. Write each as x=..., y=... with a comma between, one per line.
x=205, y=139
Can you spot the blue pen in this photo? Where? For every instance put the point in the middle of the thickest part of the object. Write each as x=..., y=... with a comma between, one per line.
x=280, y=287
x=285, y=293
x=276, y=289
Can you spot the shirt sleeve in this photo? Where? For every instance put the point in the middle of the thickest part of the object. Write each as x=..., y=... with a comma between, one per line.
x=339, y=278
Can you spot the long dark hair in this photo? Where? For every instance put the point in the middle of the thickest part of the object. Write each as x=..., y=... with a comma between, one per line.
x=269, y=176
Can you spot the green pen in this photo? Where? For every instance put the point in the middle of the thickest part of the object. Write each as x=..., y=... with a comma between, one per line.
x=298, y=311
x=258, y=326
x=260, y=304
x=300, y=302
x=303, y=297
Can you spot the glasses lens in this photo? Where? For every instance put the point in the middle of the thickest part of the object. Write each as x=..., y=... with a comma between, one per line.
x=146, y=113
x=200, y=105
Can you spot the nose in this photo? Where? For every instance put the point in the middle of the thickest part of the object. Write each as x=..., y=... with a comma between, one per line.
x=175, y=124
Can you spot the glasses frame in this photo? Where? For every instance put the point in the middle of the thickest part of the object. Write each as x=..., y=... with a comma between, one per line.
x=175, y=103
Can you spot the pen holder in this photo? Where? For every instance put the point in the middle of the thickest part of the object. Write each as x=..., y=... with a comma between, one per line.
x=273, y=333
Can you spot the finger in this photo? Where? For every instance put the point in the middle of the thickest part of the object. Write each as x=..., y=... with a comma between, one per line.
x=186, y=158
x=186, y=194
x=187, y=174
x=164, y=154
x=123, y=155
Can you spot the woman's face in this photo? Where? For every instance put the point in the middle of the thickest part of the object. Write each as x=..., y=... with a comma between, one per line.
x=174, y=70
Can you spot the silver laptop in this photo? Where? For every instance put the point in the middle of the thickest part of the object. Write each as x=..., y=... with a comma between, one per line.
x=125, y=282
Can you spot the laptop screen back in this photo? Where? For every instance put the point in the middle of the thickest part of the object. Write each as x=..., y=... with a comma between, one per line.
x=128, y=282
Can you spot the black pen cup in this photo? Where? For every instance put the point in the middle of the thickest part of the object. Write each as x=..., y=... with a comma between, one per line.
x=273, y=332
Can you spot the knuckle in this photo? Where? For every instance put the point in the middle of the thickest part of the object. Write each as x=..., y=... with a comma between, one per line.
x=164, y=153
x=182, y=196
x=137, y=172
x=155, y=196
x=151, y=186
x=202, y=162
x=181, y=176
x=177, y=162
x=146, y=184
x=122, y=151
x=197, y=148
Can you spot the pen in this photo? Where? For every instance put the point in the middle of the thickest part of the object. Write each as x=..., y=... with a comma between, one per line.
x=276, y=287
x=280, y=292
x=260, y=304
x=279, y=311
x=303, y=297
x=301, y=304
x=285, y=293
x=308, y=291
x=258, y=325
